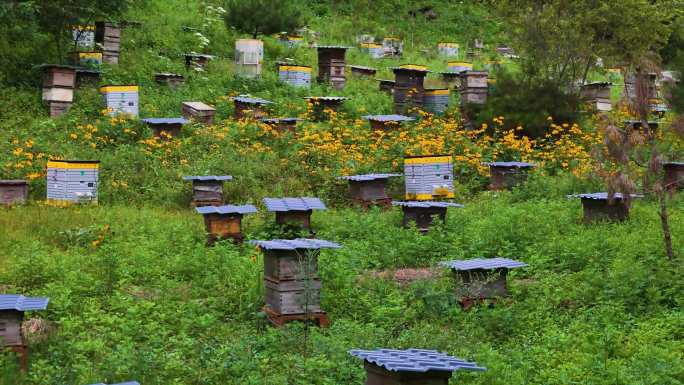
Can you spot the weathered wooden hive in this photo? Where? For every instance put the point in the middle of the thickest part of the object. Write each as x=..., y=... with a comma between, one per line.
x=291, y=279
x=224, y=222
x=448, y=49
x=282, y=124
x=452, y=79
x=165, y=127
x=362, y=71
x=58, y=88
x=386, y=85
x=376, y=51
x=392, y=46
x=637, y=125
x=422, y=213
x=319, y=105
x=597, y=207
x=674, y=175
x=207, y=190
x=597, y=95
x=651, y=86
x=120, y=99
x=13, y=192
x=295, y=75
x=459, y=66
x=410, y=366
x=480, y=279
x=506, y=175
x=72, y=181
x=387, y=122
x=88, y=58
x=197, y=61
x=12, y=309
x=331, y=64
x=369, y=189
x=294, y=213
x=429, y=177
x=83, y=36
x=198, y=112
x=86, y=77
x=250, y=107
x=409, y=89
x=436, y=100
x=473, y=87
x=248, y=56
x=169, y=79
x=108, y=35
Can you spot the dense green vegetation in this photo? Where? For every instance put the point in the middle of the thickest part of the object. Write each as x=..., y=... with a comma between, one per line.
x=136, y=294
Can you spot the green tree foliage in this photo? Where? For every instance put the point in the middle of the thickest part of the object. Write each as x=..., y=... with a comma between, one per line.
x=264, y=16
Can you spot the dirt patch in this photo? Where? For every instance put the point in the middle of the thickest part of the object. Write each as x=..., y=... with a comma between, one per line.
x=406, y=276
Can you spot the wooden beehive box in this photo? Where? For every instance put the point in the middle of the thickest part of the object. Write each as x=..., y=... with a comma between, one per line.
x=429, y=177
x=597, y=207
x=362, y=71
x=198, y=111
x=207, y=190
x=506, y=175
x=224, y=222
x=59, y=76
x=72, y=181
x=387, y=122
x=674, y=175
x=423, y=213
x=197, y=61
x=409, y=89
x=108, y=36
x=478, y=279
x=294, y=213
x=171, y=80
x=369, y=189
x=250, y=107
x=319, y=105
x=386, y=85
x=87, y=77
x=331, y=65
x=410, y=366
x=282, y=125
x=473, y=96
x=13, y=192
x=165, y=127
x=474, y=79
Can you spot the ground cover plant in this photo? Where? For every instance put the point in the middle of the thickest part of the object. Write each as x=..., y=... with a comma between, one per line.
x=135, y=293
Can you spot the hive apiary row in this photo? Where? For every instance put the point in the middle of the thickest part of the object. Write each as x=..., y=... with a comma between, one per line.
x=436, y=101
x=294, y=75
x=72, y=180
x=448, y=49
x=121, y=99
x=108, y=35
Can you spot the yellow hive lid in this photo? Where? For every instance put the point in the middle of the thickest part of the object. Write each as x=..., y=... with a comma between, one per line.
x=73, y=164
x=110, y=88
x=460, y=64
x=448, y=45
x=90, y=55
x=414, y=67
x=440, y=91
x=370, y=45
x=287, y=67
x=427, y=159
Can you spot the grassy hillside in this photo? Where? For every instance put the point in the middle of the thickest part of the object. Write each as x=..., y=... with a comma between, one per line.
x=136, y=294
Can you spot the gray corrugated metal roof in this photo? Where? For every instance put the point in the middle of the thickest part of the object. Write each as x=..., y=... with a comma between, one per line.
x=482, y=263
x=199, y=106
x=120, y=383
x=388, y=118
x=293, y=204
x=425, y=204
x=293, y=244
x=169, y=74
x=250, y=100
x=200, y=55
x=326, y=98
x=332, y=47
x=673, y=163
x=226, y=209
x=395, y=69
x=165, y=120
x=208, y=177
x=601, y=196
x=510, y=164
x=415, y=360
x=361, y=67
x=7, y=182
x=367, y=177
x=21, y=303
x=279, y=120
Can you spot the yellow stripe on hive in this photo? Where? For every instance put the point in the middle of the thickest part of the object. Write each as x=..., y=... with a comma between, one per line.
x=448, y=45
x=437, y=92
x=460, y=64
x=90, y=55
x=108, y=89
x=429, y=159
x=370, y=45
x=427, y=197
x=295, y=68
x=72, y=166
x=413, y=67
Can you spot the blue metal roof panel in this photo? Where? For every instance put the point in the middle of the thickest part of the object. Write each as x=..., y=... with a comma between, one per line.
x=21, y=303
x=208, y=177
x=388, y=118
x=333, y=46
x=482, y=263
x=326, y=98
x=510, y=164
x=120, y=383
x=425, y=204
x=361, y=67
x=165, y=120
x=293, y=204
x=397, y=69
x=226, y=209
x=602, y=196
x=280, y=120
x=250, y=100
x=415, y=360
x=367, y=177
x=293, y=244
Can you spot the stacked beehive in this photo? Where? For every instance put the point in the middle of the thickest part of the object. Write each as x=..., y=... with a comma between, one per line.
x=248, y=56
x=331, y=64
x=295, y=75
x=58, y=88
x=121, y=99
x=72, y=181
x=436, y=101
x=473, y=87
x=409, y=90
x=108, y=35
x=448, y=49
x=597, y=95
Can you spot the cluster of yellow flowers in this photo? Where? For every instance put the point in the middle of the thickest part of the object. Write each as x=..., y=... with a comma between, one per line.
x=25, y=159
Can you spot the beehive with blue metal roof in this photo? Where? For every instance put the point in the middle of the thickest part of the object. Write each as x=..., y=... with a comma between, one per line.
x=506, y=175
x=423, y=213
x=601, y=206
x=282, y=124
x=224, y=222
x=411, y=366
x=291, y=279
x=320, y=105
x=72, y=181
x=12, y=308
x=481, y=278
x=369, y=189
x=387, y=122
x=362, y=71
x=165, y=127
x=248, y=106
x=294, y=213
x=207, y=190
